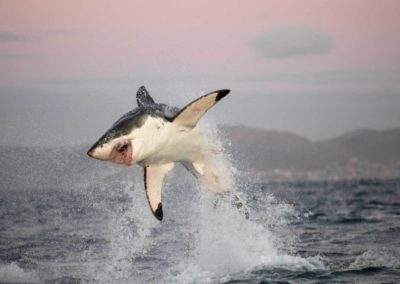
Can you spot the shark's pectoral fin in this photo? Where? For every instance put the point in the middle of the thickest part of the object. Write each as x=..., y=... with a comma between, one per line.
x=191, y=114
x=153, y=180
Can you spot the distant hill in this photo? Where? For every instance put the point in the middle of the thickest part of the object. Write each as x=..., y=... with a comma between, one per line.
x=282, y=155
x=371, y=145
x=265, y=154
x=269, y=149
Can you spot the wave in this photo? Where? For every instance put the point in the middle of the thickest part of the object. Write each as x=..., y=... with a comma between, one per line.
x=376, y=258
x=12, y=273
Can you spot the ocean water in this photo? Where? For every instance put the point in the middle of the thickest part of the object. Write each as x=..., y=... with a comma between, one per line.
x=342, y=232
x=92, y=224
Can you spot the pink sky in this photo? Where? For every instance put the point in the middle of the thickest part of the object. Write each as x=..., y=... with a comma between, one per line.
x=318, y=68
x=112, y=38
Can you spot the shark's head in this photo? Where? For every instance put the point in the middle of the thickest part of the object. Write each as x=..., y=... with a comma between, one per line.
x=117, y=150
x=133, y=136
x=118, y=143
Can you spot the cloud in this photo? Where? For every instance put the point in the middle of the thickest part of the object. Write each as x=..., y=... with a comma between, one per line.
x=292, y=41
x=363, y=81
x=60, y=32
x=11, y=36
x=7, y=36
x=14, y=56
x=346, y=76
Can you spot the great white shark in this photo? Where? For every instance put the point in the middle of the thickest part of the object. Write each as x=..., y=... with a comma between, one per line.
x=156, y=136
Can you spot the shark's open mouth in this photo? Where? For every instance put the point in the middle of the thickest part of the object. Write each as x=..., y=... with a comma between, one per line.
x=122, y=154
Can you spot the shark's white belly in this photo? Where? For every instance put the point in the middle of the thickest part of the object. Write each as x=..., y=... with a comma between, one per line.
x=171, y=143
x=192, y=149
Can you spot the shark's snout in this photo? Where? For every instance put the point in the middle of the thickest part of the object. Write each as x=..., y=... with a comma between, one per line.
x=94, y=151
x=91, y=152
x=98, y=152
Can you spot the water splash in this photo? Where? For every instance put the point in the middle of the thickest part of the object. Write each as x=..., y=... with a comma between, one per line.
x=226, y=243
x=129, y=236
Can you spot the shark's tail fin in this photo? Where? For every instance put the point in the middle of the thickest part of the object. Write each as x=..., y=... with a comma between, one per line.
x=211, y=174
x=213, y=177
x=235, y=200
x=239, y=204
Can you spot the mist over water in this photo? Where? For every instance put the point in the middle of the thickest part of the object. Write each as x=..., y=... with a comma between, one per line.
x=102, y=231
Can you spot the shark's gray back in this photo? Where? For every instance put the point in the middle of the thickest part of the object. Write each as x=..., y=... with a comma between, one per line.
x=161, y=110
x=136, y=118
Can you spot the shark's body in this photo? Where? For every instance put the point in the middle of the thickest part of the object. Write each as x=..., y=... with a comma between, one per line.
x=155, y=136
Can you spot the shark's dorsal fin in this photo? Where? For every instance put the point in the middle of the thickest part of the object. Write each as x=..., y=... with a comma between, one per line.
x=191, y=114
x=143, y=97
x=153, y=180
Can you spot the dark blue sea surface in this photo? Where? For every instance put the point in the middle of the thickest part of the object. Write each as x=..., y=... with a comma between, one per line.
x=333, y=232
